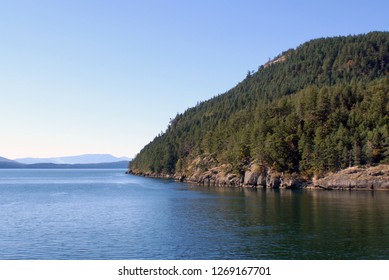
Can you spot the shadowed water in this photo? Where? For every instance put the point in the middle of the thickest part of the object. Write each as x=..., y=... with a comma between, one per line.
x=105, y=214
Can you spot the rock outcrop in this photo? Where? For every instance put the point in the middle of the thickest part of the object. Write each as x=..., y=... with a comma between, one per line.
x=205, y=171
x=256, y=176
x=356, y=178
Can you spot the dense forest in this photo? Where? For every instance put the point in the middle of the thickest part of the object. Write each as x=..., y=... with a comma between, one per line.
x=320, y=107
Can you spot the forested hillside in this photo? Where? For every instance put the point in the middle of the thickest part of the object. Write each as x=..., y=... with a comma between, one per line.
x=320, y=107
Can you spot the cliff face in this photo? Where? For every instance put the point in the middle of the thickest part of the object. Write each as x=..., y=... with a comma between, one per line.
x=356, y=178
x=254, y=176
x=260, y=177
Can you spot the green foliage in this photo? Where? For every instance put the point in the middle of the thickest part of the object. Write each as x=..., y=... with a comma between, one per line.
x=322, y=107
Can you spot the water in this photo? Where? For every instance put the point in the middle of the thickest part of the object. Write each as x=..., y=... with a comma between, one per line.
x=105, y=214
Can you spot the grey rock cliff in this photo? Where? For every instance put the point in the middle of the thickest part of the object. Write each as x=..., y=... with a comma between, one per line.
x=357, y=178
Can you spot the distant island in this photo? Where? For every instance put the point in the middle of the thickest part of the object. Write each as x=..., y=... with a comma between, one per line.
x=88, y=161
x=317, y=115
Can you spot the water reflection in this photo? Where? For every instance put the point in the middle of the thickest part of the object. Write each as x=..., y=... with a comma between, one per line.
x=306, y=224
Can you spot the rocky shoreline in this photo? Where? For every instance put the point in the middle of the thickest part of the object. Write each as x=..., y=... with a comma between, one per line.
x=260, y=177
x=357, y=178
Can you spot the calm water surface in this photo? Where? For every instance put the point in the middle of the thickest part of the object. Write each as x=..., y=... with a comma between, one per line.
x=105, y=214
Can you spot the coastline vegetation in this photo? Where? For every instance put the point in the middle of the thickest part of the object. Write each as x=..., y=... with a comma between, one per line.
x=319, y=108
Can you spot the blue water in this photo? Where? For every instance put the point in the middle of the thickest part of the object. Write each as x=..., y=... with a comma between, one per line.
x=105, y=214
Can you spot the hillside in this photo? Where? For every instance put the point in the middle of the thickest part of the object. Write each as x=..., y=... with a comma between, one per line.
x=319, y=108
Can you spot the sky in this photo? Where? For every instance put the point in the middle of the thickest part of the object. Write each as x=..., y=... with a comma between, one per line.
x=80, y=76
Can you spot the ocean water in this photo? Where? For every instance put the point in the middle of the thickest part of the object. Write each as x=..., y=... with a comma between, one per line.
x=106, y=214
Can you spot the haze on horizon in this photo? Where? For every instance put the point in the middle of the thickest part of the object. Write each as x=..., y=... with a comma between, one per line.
x=87, y=77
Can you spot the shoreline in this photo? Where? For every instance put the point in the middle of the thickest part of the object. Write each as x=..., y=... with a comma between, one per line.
x=366, y=178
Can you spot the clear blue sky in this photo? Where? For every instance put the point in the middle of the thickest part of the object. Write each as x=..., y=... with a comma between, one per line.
x=106, y=76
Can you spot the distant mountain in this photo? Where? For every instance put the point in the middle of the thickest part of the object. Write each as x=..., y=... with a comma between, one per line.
x=103, y=165
x=2, y=159
x=7, y=163
x=11, y=164
x=80, y=159
x=74, y=162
